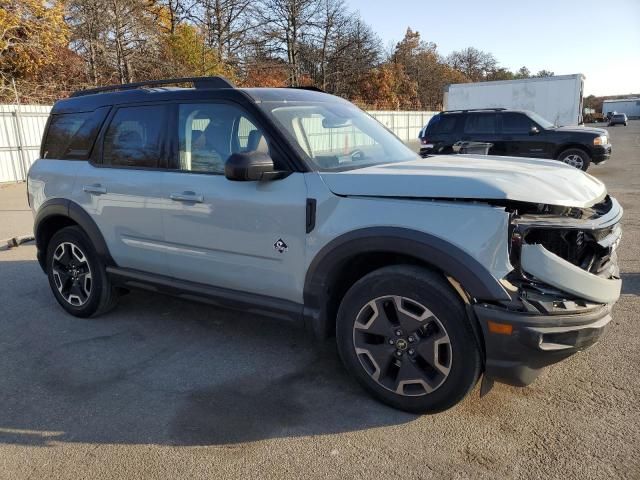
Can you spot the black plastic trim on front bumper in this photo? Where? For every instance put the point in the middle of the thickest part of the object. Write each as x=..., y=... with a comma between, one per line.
x=536, y=340
x=601, y=154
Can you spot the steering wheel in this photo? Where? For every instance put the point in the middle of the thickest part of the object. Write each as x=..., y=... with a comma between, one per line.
x=357, y=155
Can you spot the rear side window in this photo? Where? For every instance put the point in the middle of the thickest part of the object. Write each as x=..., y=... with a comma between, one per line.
x=516, y=123
x=442, y=124
x=136, y=137
x=71, y=136
x=480, y=123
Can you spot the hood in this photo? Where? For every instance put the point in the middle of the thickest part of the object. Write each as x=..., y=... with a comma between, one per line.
x=582, y=129
x=472, y=177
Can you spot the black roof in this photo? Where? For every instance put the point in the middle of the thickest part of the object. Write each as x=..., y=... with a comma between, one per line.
x=205, y=88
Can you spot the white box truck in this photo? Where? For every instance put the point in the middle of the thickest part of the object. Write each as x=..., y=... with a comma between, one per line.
x=558, y=98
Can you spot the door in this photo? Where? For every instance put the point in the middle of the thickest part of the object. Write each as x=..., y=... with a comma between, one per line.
x=123, y=192
x=519, y=137
x=247, y=236
x=483, y=127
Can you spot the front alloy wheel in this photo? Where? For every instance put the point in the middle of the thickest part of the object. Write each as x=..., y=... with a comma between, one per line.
x=576, y=158
x=404, y=334
x=402, y=345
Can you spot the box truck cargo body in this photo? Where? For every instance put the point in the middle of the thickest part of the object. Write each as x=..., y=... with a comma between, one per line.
x=558, y=99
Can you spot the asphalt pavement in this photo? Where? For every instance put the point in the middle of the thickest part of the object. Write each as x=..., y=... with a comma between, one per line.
x=163, y=388
x=15, y=217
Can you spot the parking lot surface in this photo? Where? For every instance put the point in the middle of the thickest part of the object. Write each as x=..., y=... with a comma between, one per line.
x=162, y=388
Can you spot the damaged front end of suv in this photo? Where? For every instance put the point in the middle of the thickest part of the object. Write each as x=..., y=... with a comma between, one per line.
x=564, y=281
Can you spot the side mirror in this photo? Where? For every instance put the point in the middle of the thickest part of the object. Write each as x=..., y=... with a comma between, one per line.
x=534, y=131
x=250, y=166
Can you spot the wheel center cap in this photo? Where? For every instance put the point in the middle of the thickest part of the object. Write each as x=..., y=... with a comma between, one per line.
x=401, y=344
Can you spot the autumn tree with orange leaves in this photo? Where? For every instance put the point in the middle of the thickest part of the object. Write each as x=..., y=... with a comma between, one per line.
x=50, y=48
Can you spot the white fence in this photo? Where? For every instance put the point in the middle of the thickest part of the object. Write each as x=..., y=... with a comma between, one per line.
x=404, y=124
x=21, y=129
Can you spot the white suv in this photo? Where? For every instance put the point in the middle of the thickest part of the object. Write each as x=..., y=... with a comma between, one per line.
x=295, y=203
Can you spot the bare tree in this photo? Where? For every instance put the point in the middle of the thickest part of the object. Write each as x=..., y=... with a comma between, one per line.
x=358, y=49
x=332, y=21
x=227, y=26
x=132, y=37
x=176, y=11
x=473, y=63
x=87, y=20
x=287, y=22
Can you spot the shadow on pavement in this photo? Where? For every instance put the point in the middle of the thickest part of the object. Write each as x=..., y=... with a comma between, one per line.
x=162, y=371
x=630, y=283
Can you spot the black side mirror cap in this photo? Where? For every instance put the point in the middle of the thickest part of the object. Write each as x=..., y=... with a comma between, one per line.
x=250, y=167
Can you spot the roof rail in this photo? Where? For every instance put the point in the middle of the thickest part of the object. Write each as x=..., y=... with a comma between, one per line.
x=311, y=88
x=198, y=83
x=475, y=110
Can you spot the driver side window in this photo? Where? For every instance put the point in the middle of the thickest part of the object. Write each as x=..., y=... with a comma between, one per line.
x=209, y=133
x=516, y=123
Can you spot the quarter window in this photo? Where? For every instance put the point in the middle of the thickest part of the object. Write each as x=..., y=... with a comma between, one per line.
x=480, y=123
x=209, y=133
x=71, y=136
x=135, y=137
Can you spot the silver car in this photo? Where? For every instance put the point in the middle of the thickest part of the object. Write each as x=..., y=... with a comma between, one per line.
x=618, y=119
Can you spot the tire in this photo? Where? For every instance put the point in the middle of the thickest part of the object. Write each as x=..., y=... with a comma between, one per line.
x=576, y=158
x=437, y=368
x=70, y=255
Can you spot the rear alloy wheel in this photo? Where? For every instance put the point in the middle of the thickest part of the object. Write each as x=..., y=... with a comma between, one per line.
x=576, y=158
x=72, y=274
x=76, y=275
x=404, y=334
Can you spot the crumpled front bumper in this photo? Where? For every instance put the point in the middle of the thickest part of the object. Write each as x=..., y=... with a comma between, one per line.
x=535, y=341
x=557, y=272
x=557, y=307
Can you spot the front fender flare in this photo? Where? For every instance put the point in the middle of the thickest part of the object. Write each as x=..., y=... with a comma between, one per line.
x=450, y=259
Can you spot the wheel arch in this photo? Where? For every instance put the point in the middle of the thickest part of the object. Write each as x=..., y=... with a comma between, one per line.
x=569, y=146
x=58, y=213
x=349, y=257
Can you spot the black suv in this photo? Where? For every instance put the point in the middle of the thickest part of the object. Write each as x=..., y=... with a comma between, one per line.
x=515, y=133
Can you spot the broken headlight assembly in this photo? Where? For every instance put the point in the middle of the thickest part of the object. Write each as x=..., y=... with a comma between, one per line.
x=564, y=258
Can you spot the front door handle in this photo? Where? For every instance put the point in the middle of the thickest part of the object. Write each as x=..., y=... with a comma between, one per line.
x=95, y=189
x=187, y=197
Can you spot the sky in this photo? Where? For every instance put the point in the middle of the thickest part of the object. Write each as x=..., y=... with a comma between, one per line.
x=600, y=39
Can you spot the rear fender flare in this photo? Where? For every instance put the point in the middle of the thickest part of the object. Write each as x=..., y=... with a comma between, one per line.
x=60, y=207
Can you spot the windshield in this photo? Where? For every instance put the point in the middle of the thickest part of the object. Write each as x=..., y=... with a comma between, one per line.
x=338, y=135
x=543, y=122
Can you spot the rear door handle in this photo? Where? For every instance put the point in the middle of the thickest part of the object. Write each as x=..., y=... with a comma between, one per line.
x=95, y=189
x=187, y=197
